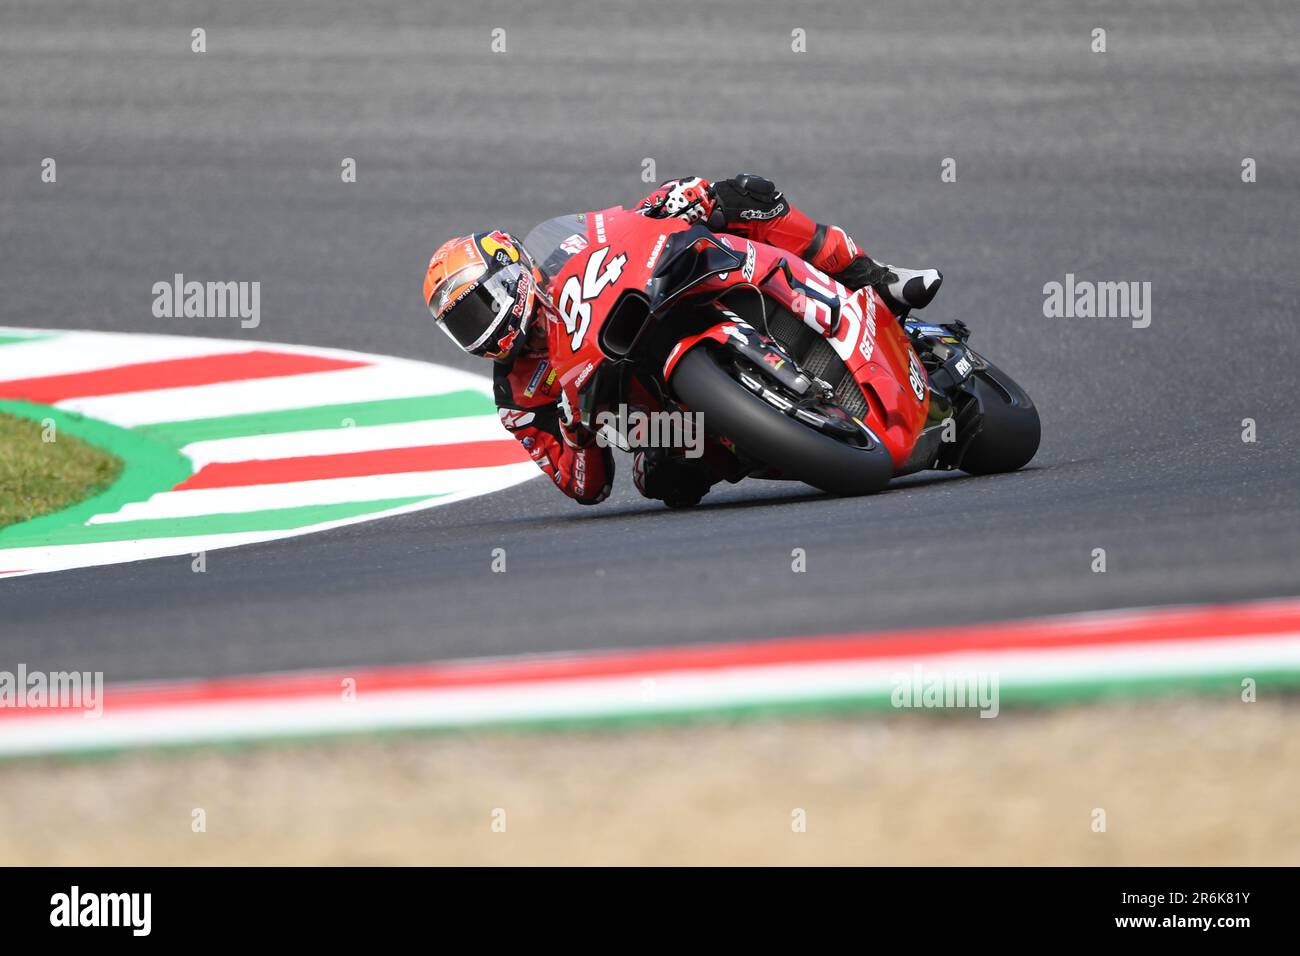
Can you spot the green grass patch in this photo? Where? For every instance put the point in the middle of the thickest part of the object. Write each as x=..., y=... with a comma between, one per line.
x=39, y=476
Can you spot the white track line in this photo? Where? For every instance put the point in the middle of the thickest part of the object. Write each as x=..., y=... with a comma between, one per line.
x=332, y=441
x=72, y=352
x=366, y=384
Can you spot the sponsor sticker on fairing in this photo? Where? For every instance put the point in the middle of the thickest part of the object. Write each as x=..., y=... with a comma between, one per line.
x=733, y=331
x=867, y=342
x=654, y=253
x=751, y=256
x=574, y=244
x=916, y=377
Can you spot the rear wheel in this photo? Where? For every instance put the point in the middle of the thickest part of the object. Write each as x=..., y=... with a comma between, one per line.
x=1009, y=429
x=763, y=433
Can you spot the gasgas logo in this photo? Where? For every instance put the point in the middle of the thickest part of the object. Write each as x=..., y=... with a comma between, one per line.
x=654, y=253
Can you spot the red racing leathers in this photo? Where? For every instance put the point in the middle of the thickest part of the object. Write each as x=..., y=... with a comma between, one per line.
x=526, y=390
x=528, y=401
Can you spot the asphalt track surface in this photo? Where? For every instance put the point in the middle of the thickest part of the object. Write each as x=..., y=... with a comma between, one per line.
x=1116, y=166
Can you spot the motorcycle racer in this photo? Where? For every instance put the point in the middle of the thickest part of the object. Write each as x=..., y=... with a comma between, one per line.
x=487, y=294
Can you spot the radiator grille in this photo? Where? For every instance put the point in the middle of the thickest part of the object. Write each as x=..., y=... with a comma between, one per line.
x=816, y=357
x=822, y=362
x=848, y=395
x=793, y=335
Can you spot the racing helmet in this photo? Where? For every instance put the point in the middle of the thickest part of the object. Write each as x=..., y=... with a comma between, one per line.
x=484, y=291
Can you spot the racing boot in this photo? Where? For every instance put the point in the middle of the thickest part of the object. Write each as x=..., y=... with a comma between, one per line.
x=910, y=288
x=902, y=289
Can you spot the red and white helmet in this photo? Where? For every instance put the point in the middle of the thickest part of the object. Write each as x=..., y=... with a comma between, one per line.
x=484, y=290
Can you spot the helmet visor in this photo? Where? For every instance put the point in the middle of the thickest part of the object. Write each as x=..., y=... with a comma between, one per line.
x=476, y=314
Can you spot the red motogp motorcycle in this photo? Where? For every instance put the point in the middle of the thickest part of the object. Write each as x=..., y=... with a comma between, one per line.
x=796, y=376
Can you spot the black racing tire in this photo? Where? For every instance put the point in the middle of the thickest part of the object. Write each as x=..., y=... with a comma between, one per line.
x=767, y=435
x=1009, y=429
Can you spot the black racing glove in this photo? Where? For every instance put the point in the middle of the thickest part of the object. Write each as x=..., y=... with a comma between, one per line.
x=746, y=198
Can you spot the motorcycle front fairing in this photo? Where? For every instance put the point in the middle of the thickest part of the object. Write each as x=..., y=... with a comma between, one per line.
x=601, y=270
x=857, y=325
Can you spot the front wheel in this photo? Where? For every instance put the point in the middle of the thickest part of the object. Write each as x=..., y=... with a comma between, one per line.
x=763, y=433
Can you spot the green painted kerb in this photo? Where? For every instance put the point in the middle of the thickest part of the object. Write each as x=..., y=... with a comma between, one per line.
x=275, y=519
x=148, y=466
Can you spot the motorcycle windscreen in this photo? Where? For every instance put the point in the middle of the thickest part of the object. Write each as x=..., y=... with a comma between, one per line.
x=556, y=241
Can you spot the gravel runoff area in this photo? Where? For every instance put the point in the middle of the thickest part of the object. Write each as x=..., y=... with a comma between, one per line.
x=1180, y=781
